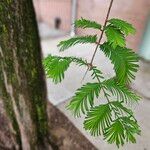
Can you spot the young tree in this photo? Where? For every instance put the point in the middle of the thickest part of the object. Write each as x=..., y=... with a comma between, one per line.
x=22, y=86
x=114, y=119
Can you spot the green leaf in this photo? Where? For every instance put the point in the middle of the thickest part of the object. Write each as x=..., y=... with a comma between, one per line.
x=122, y=25
x=115, y=133
x=84, y=23
x=120, y=91
x=63, y=45
x=98, y=118
x=96, y=73
x=122, y=130
x=115, y=37
x=78, y=61
x=84, y=98
x=131, y=128
x=125, y=62
x=55, y=66
x=120, y=110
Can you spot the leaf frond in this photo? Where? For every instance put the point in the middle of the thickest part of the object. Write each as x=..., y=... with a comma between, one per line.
x=120, y=91
x=115, y=37
x=96, y=73
x=122, y=25
x=125, y=62
x=115, y=133
x=120, y=110
x=85, y=23
x=97, y=119
x=131, y=129
x=55, y=66
x=122, y=130
x=84, y=98
x=114, y=120
x=63, y=45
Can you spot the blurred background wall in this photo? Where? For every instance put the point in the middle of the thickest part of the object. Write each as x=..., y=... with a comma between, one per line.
x=48, y=11
x=136, y=12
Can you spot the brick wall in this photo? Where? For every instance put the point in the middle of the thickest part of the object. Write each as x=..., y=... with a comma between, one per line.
x=48, y=10
x=134, y=11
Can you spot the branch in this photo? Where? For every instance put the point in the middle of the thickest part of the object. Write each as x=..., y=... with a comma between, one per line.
x=100, y=38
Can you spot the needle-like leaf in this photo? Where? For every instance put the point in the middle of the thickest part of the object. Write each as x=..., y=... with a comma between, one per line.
x=63, y=45
x=120, y=91
x=84, y=98
x=55, y=66
x=123, y=26
x=122, y=130
x=115, y=37
x=85, y=23
x=125, y=62
x=98, y=118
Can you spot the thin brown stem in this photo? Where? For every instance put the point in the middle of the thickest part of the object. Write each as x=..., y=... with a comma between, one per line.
x=100, y=38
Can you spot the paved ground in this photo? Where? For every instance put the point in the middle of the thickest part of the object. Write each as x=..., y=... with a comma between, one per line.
x=60, y=94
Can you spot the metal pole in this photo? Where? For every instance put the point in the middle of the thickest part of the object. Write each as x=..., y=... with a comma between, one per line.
x=73, y=17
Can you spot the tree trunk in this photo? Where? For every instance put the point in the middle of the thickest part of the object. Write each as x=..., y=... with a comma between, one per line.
x=22, y=86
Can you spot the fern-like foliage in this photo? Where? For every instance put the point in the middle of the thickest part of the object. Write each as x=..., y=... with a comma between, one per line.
x=115, y=133
x=55, y=66
x=101, y=120
x=97, y=119
x=120, y=91
x=123, y=26
x=113, y=119
x=124, y=60
x=56, y=73
x=84, y=23
x=63, y=45
x=122, y=130
x=96, y=73
x=84, y=98
x=116, y=30
x=120, y=110
x=115, y=37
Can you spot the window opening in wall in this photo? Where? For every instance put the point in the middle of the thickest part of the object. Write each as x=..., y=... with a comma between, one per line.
x=57, y=23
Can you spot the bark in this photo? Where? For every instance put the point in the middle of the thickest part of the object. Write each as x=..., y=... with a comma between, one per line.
x=22, y=86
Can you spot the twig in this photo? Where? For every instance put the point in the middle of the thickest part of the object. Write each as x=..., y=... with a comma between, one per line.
x=100, y=38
